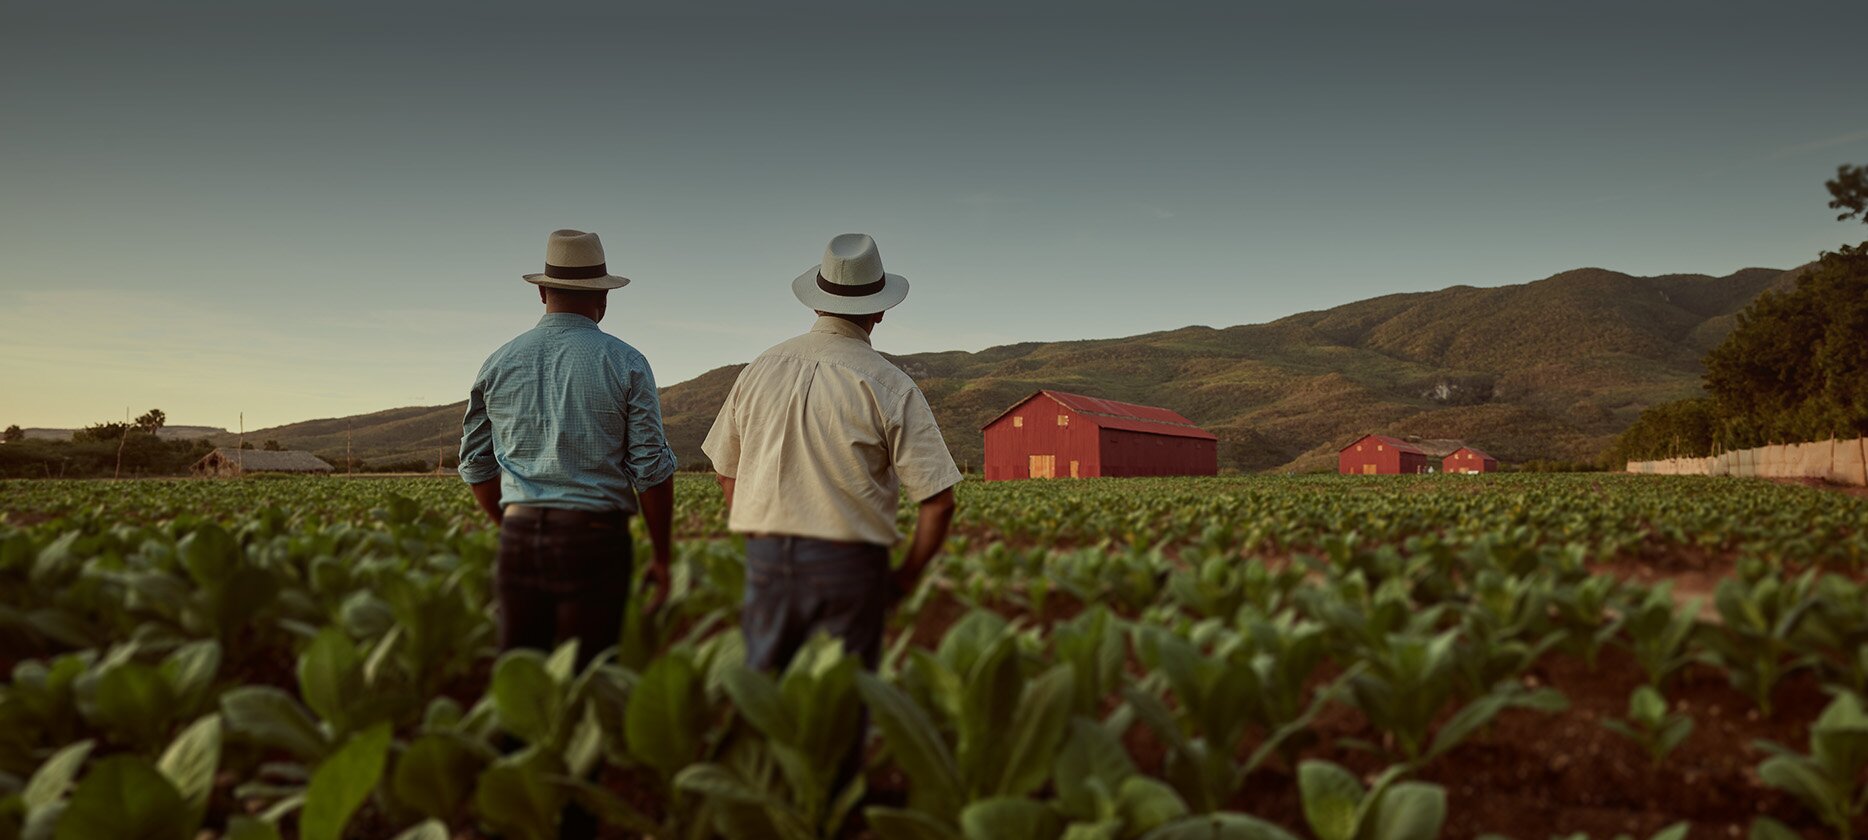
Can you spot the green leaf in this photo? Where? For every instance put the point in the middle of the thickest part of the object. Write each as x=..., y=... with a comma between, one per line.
x=519, y=800
x=1145, y=803
x=663, y=721
x=341, y=784
x=716, y=782
x=526, y=696
x=1037, y=729
x=190, y=672
x=1765, y=828
x=757, y=699
x=123, y=797
x=1089, y=753
x=429, y=830
x=1677, y=831
x=330, y=677
x=435, y=775
x=897, y=824
x=133, y=701
x=1410, y=811
x=190, y=761
x=208, y=553
x=1010, y=817
x=49, y=783
x=1803, y=779
x=1331, y=798
x=272, y=718
x=248, y=828
x=1223, y=826
x=916, y=745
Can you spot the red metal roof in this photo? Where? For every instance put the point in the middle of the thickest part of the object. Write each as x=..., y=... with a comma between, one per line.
x=1128, y=417
x=1397, y=443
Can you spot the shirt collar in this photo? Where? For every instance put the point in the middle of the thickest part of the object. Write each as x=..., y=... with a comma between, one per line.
x=837, y=326
x=567, y=320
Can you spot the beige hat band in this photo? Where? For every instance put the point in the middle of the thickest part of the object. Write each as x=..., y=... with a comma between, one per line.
x=847, y=290
x=575, y=272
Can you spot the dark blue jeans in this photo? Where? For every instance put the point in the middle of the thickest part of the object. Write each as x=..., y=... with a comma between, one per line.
x=559, y=582
x=797, y=586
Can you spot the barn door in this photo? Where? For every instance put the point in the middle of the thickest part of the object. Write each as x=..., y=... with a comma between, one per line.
x=1073, y=470
x=1368, y=469
x=1044, y=466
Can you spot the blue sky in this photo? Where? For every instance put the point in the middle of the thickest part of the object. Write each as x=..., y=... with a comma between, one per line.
x=321, y=211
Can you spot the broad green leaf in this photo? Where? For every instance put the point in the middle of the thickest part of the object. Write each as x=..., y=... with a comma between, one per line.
x=1765, y=828
x=1011, y=818
x=190, y=761
x=272, y=718
x=519, y=801
x=435, y=775
x=1677, y=831
x=429, y=830
x=1090, y=752
x=209, y=553
x=1145, y=803
x=1803, y=779
x=248, y=828
x=663, y=722
x=916, y=745
x=190, y=672
x=341, y=784
x=1410, y=811
x=133, y=701
x=562, y=664
x=527, y=697
x=897, y=824
x=124, y=797
x=1332, y=797
x=1037, y=730
x=330, y=677
x=714, y=781
x=49, y=783
x=1223, y=826
x=758, y=700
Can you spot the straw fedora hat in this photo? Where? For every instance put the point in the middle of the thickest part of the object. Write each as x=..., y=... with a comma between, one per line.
x=574, y=260
x=850, y=280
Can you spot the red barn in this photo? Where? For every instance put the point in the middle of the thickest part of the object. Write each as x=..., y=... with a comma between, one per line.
x=1469, y=460
x=1051, y=434
x=1381, y=455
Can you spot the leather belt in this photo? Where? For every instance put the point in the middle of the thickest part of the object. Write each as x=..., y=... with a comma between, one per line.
x=565, y=517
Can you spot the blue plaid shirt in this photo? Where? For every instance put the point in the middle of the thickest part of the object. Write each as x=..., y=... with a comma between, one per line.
x=566, y=416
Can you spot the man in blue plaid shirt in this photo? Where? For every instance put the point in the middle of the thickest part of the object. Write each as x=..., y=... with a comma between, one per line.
x=561, y=444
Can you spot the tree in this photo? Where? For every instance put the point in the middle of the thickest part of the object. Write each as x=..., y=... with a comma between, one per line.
x=1849, y=192
x=13, y=434
x=152, y=420
x=273, y=446
x=246, y=444
x=101, y=433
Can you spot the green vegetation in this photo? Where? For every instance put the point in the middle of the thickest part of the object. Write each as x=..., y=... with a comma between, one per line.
x=1117, y=658
x=1794, y=367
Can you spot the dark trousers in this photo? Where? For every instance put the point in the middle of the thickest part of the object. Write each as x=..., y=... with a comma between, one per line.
x=557, y=582
x=798, y=586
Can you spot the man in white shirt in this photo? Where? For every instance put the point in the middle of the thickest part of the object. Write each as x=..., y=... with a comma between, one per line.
x=815, y=444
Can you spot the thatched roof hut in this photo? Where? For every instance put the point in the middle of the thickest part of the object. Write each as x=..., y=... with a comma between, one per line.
x=227, y=462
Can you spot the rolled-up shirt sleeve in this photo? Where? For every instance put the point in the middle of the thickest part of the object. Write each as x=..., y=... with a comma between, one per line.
x=649, y=459
x=476, y=457
x=922, y=461
x=722, y=444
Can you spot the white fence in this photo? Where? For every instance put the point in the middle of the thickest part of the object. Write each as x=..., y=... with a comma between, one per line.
x=1836, y=461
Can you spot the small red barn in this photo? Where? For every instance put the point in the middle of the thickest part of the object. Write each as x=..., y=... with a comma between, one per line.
x=1381, y=455
x=1469, y=460
x=1052, y=434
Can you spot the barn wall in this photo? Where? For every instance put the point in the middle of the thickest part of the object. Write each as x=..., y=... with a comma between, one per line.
x=1128, y=453
x=1388, y=460
x=1009, y=447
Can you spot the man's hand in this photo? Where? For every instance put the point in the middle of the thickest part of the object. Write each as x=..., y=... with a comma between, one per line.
x=930, y=534
x=486, y=494
x=658, y=513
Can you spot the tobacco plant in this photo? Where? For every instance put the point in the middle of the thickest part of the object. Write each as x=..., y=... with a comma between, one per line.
x=1651, y=725
x=1828, y=780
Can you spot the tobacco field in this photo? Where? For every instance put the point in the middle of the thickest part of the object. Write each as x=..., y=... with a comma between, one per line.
x=1334, y=657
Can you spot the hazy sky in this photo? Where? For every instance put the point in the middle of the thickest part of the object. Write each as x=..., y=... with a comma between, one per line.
x=231, y=207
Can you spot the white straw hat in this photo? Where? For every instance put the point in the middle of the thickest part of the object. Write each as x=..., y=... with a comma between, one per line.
x=850, y=280
x=574, y=260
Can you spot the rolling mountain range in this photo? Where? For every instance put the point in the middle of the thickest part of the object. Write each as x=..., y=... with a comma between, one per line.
x=1552, y=369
